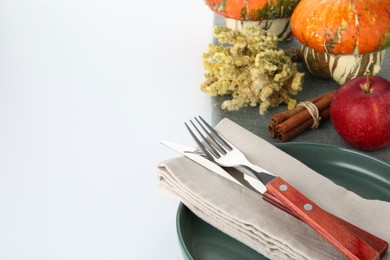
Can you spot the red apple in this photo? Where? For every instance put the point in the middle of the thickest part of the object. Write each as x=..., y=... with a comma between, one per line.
x=360, y=112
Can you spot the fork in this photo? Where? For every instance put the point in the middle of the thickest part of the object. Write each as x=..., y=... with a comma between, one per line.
x=341, y=234
x=222, y=152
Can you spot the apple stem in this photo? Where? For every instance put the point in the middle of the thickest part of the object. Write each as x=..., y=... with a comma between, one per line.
x=367, y=87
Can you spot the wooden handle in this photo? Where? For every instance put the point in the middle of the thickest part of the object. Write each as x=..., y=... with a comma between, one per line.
x=378, y=244
x=324, y=223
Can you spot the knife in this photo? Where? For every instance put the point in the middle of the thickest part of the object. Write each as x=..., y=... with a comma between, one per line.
x=376, y=243
x=196, y=156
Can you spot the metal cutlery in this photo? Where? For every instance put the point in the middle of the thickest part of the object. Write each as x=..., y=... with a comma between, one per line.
x=280, y=192
x=196, y=156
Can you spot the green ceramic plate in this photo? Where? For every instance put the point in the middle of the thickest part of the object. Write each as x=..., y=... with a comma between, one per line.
x=358, y=172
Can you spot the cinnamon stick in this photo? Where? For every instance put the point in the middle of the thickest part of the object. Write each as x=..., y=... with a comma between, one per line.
x=272, y=130
x=282, y=116
x=287, y=124
x=304, y=115
x=283, y=137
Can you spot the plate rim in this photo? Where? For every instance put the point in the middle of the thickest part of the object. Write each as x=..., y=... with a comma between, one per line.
x=183, y=248
x=335, y=147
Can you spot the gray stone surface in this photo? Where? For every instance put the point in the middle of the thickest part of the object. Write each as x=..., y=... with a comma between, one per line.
x=250, y=118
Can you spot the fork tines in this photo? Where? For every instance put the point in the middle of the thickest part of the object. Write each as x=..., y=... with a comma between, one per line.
x=209, y=140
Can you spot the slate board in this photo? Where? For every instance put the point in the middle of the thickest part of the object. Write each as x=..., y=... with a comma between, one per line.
x=250, y=118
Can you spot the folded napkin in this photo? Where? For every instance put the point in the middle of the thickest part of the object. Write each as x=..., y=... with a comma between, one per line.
x=245, y=216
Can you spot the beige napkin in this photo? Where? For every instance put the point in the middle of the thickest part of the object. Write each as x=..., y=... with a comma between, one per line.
x=244, y=215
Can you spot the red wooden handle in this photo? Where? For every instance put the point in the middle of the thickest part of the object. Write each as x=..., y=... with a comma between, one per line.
x=325, y=224
x=378, y=244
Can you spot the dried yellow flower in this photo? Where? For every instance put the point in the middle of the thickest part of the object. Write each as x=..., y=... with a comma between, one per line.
x=249, y=66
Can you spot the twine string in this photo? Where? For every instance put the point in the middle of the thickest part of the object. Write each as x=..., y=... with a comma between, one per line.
x=313, y=110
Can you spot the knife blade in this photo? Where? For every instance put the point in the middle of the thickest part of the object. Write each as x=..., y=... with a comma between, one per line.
x=376, y=243
x=196, y=156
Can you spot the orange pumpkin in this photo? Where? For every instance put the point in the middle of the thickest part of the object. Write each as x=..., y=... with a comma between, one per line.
x=342, y=39
x=270, y=15
x=253, y=10
x=342, y=26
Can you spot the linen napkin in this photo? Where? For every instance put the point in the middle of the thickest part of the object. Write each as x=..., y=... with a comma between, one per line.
x=245, y=216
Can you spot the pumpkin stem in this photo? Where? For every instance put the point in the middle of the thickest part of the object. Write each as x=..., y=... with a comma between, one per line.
x=367, y=87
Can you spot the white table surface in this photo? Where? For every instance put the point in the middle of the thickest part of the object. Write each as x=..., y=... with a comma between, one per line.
x=87, y=91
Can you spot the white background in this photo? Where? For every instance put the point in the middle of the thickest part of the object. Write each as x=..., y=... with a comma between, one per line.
x=87, y=91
